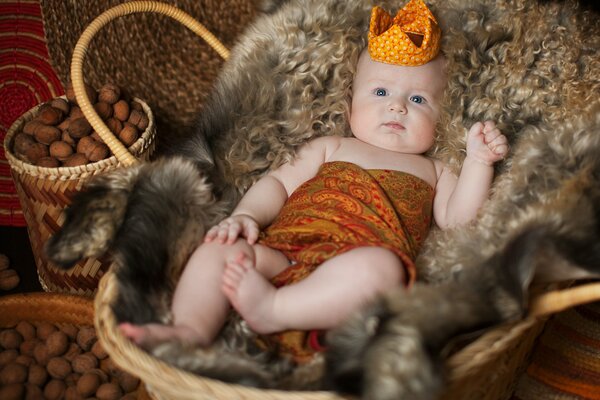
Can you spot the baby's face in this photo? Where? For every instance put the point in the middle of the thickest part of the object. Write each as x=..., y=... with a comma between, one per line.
x=396, y=107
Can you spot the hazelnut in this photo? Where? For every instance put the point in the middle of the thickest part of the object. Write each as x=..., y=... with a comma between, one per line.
x=57, y=343
x=134, y=105
x=76, y=113
x=88, y=384
x=40, y=353
x=47, y=134
x=114, y=125
x=103, y=109
x=98, y=351
x=121, y=110
x=84, y=362
x=60, y=150
x=22, y=142
x=48, y=162
x=12, y=391
x=129, y=134
x=79, y=128
x=58, y=367
x=64, y=125
x=96, y=136
x=10, y=338
x=45, y=329
x=37, y=375
x=8, y=356
x=55, y=390
x=62, y=105
x=72, y=378
x=31, y=126
x=9, y=279
x=33, y=392
x=109, y=93
x=75, y=160
x=127, y=381
x=13, y=373
x=26, y=329
x=26, y=348
x=109, y=391
x=72, y=394
x=24, y=360
x=49, y=115
x=84, y=143
x=96, y=152
x=73, y=351
x=35, y=152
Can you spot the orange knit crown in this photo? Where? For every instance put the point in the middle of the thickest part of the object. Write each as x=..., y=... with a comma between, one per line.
x=412, y=38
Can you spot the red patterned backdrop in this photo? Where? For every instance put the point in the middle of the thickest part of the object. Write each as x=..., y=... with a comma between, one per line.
x=26, y=79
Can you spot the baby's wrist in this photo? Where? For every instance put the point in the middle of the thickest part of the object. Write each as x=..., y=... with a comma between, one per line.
x=479, y=160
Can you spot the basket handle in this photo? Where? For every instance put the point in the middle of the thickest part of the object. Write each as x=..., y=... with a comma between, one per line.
x=116, y=147
x=559, y=300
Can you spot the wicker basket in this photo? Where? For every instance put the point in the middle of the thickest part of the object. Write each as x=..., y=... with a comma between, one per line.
x=56, y=308
x=485, y=369
x=44, y=193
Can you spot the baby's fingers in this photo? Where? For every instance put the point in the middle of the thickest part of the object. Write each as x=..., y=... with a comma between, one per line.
x=211, y=234
x=499, y=145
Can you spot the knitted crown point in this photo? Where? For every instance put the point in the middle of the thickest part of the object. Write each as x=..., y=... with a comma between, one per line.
x=411, y=38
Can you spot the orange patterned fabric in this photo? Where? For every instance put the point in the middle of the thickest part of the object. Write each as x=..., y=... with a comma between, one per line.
x=412, y=38
x=342, y=208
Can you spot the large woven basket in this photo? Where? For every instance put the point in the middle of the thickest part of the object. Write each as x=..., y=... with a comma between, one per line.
x=44, y=193
x=485, y=369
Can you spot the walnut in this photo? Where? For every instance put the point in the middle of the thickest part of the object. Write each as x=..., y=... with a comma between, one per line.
x=35, y=152
x=47, y=134
x=48, y=162
x=61, y=104
x=109, y=93
x=60, y=150
x=57, y=344
x=121, y=110
x=96, y=152
x=58, y=367
x=55, y=390
x=49, y=115
x=129, y=134
x=9, y=279
x=75, y=160
x=88, y=384
x=109, y=391
x=104, y=110
x=26, y=329
x=10, y=338
x=79, y=127
x=13, y=373
x=37, y=375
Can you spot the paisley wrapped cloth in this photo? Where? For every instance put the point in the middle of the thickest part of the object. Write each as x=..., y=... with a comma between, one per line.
x=344, y=207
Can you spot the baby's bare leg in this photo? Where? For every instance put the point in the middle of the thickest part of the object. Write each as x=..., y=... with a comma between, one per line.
x=199, y=306
x=322, y=300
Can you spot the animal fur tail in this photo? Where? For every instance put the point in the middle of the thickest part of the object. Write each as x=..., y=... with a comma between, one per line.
x=149, y=218
x=394, y=349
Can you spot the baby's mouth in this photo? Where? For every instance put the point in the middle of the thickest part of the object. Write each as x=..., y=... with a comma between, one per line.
x=394, y=125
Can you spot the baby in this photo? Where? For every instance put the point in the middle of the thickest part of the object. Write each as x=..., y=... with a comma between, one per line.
x=317, y=238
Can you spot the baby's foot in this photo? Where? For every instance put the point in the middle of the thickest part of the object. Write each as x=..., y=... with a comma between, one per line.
x=149, y=336
x=251, y=295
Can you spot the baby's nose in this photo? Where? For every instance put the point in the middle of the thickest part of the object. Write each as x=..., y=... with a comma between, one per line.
x=397, y=105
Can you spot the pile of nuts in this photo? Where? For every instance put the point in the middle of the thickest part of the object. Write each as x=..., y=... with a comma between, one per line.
x=9, y=279
x=45, y=361
x=60, y=135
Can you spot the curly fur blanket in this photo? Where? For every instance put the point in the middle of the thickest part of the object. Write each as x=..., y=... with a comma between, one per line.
x=531, y=66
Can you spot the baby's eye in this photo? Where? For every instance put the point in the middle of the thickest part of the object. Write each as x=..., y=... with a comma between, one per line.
x=380, y=92
x=417, y=99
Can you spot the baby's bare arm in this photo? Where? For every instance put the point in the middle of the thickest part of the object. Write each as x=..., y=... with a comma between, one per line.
x=458, y=199
x=263, y=201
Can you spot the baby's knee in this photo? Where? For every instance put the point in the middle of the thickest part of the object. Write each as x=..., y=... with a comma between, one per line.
x=224, y=251
x=385, y=268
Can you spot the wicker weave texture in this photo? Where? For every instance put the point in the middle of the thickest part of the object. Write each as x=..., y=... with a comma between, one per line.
x=154, y=56
x=44, y=193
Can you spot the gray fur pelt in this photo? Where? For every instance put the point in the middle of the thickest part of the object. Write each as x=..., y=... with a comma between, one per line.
x=534, y=68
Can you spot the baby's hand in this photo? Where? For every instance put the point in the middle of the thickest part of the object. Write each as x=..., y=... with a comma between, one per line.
x=486, y=144
x=230, y=229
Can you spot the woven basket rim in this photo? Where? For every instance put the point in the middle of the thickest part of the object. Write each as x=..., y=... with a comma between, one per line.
x=70, y=173
x=39, y=306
